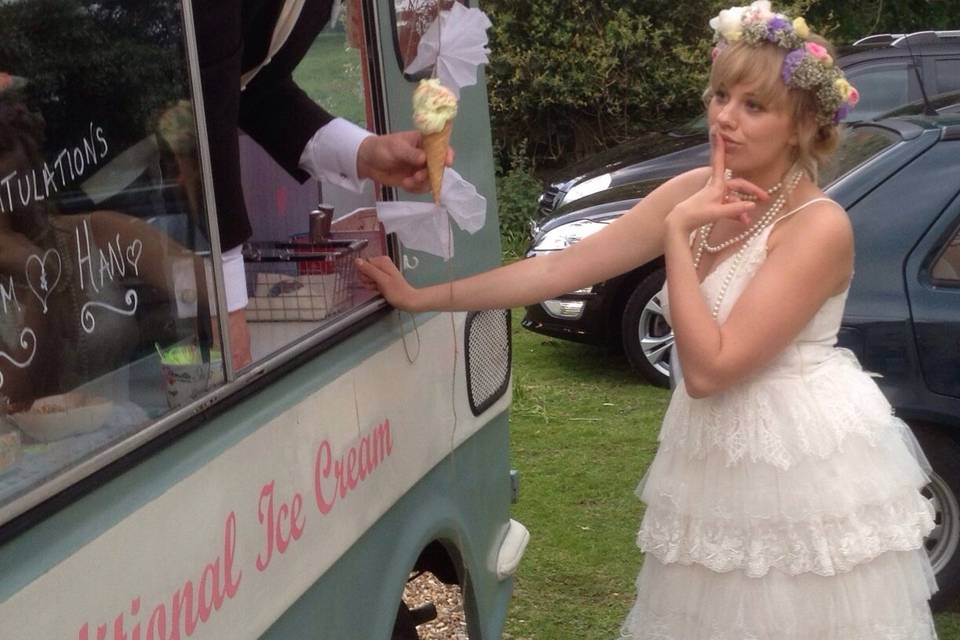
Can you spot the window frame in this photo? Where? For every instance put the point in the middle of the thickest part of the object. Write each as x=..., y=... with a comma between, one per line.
x=426, y=73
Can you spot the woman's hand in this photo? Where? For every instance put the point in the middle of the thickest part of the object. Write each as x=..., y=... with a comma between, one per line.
x=380, y=273
x=716, y=200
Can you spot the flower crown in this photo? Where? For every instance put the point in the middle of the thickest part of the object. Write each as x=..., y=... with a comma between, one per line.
x=807, y=65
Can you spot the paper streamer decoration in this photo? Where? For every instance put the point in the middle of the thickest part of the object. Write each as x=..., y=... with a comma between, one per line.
x=424, y=226
x=457, y=42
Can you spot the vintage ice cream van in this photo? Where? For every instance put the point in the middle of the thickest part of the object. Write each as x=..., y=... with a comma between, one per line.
x=149, y=488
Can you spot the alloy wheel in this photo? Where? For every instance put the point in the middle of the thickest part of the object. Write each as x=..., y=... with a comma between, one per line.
x=656, y=336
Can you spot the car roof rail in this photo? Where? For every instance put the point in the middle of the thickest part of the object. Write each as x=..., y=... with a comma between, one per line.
x=878, y=38
x=926, y=37
x=899, y=39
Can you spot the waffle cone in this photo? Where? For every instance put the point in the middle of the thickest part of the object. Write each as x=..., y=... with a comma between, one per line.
x=435, y=145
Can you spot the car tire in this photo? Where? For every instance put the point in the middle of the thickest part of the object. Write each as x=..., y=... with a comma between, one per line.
x=647, y=337
x=943, y=543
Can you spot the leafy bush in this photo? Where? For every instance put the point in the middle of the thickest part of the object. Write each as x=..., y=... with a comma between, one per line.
x=577, y=76
x=517, y=192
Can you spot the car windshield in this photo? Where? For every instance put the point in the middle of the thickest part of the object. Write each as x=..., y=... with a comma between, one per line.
x=696, y=127
x=948, y=102
x=858, y=146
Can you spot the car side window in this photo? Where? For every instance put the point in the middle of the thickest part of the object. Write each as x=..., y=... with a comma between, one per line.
x=882, y=88
x=946, y=269
x=948, y=74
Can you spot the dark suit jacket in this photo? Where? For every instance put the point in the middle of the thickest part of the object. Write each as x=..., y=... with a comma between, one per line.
x=233, y=37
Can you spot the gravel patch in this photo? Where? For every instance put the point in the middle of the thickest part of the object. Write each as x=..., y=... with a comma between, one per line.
x=450, y=623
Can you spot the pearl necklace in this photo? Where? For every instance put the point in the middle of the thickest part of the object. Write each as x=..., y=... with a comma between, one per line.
x=764, y=221
x=728, y=174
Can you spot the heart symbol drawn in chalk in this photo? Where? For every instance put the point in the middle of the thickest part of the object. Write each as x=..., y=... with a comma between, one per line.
x=133, y=254
x=39, y=277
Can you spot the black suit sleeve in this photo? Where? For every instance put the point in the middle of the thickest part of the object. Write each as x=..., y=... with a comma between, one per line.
x=219, y=48
x=282, y=119
x=276, y=112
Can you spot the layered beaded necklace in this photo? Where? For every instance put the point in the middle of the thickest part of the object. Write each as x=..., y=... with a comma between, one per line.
x=784, y=188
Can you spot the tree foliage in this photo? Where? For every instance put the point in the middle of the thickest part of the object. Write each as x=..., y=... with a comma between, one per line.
x=568, y=78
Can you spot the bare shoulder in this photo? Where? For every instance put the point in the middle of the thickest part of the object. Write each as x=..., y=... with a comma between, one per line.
x=822, y=227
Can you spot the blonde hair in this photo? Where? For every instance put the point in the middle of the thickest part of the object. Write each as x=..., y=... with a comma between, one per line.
x=761, y=64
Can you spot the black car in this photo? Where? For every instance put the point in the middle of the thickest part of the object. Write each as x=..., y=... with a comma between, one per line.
x=887, y=69
x=899, y=180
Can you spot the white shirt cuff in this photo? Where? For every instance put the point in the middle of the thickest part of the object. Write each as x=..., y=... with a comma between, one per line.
x=234, y=279
x=331, y=154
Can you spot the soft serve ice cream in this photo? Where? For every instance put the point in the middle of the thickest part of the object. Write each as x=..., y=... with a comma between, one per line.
x=434, y=108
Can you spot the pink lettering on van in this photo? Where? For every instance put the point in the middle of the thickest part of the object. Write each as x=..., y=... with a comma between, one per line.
x=335, y=478
x=193, y=605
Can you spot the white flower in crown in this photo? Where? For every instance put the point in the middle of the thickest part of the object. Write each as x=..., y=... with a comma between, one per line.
x=760, y=11
x=729, y=23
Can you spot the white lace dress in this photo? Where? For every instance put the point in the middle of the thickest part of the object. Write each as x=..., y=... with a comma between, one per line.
x=787, y=507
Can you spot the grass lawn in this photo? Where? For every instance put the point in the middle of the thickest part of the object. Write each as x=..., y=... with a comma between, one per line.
x=330, y=74
x=583, y=432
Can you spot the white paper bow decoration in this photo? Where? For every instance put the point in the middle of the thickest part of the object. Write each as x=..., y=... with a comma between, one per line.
x=424, y=226
x=457, y=42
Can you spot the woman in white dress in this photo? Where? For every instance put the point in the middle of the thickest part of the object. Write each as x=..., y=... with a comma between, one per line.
x=784, y=501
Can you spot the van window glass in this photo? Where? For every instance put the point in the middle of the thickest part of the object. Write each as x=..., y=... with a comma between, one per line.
x=107, y=313
x=412, y=19
x=300, y=275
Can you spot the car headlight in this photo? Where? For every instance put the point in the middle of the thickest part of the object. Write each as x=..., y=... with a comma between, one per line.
x=567, y=234
x=586, y=188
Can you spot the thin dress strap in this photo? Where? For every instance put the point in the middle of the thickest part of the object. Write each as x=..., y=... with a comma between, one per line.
x=802, y=206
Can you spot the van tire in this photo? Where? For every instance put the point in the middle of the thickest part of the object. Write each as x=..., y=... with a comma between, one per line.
x=405, y=626
x=943, y=543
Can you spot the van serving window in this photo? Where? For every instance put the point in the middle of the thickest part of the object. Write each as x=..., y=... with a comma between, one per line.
x=300, y=274
x=106, y=302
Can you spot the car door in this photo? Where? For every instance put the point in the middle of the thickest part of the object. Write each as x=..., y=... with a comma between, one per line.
x=933, y=288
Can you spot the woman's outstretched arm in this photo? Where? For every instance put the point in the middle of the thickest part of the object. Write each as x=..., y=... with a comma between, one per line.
x=630, y=241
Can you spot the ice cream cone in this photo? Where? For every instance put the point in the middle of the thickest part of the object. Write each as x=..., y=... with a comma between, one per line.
x=435, y=145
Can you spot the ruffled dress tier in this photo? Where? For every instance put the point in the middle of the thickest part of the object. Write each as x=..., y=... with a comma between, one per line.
x=787, y=507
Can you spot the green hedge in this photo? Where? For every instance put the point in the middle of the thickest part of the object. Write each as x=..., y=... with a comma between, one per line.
x=568, y=78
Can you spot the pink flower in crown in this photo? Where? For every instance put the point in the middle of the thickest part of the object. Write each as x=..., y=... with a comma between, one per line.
x=5, y=80
x=816, y=50
x=854, y=96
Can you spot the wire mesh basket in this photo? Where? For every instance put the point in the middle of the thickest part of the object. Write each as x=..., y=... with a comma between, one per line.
x=300, y=280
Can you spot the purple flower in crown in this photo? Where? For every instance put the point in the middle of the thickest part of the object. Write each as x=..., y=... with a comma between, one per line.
x=777, y=24
x=842, y=112
x=790, y=64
